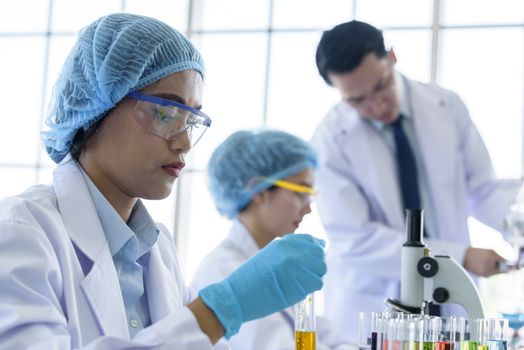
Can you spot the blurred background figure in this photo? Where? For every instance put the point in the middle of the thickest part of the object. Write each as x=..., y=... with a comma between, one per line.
x=263, y=181
x=392, y=144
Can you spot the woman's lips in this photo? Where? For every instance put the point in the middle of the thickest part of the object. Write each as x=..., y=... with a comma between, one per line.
x=173, y=169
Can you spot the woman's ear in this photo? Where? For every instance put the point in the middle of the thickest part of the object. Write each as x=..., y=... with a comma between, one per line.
x=259, y=198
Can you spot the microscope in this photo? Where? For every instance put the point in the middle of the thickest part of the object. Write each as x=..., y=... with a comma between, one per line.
x=429, y=279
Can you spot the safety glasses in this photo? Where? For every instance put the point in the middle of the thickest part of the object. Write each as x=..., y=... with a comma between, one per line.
x=169, y=119
x=303, y=192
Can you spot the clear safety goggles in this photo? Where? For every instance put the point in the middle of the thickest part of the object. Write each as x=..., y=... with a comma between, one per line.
x=304, y=193
x=169, y=119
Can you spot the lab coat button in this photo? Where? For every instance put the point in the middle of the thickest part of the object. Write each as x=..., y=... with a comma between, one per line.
x=134, y=323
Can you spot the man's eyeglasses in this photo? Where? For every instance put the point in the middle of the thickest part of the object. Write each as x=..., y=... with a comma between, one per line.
x=381, y=89
x=303, y=192
x=169, y=119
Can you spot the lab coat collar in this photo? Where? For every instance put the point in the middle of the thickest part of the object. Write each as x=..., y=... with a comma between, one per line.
x=120, y=233
x=83, y=226
x=81, y=221
x=376, y=160
x=117, y=232
x=403, y=94
x=435, y=159
x=240, y=237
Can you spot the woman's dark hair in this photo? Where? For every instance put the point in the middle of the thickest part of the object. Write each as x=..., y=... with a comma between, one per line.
x=81, y=138
x=343, y=48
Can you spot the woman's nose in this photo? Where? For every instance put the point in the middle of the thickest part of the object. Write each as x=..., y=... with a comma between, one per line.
x=181, y=143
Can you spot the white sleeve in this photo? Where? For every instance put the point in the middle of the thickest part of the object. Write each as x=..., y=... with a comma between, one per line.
x=33, y=309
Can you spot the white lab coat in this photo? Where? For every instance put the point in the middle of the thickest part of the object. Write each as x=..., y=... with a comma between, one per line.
x=273, y=332
x=58, y=284
x=360, y=204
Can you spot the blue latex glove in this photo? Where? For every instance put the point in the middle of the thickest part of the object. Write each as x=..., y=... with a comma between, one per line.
x=278, y=276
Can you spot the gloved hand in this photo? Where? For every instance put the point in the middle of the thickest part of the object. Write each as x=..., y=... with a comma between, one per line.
x=278, y=276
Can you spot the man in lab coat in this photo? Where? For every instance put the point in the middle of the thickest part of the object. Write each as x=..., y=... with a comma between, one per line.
x=364, y=177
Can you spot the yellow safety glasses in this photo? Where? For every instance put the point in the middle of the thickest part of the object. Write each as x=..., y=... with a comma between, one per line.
x=303, y=192
x=294, y=187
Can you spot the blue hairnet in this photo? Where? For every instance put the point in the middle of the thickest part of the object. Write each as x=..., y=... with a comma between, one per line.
x=248, y=162
x=113, y=56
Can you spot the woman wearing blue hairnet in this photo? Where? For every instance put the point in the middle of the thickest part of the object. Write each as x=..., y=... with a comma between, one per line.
x=82, y=264
x=263, y=181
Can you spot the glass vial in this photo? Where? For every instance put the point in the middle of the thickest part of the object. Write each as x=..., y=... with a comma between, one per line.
x=305, y=327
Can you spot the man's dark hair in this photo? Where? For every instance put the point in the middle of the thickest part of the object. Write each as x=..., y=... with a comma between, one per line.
x=343, y=48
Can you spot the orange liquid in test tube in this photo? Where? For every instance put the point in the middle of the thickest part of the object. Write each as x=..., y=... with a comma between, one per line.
x=305, y=340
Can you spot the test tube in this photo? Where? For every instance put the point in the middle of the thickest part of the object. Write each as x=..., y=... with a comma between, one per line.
x=392, y=341
x=368, y=330
x=381, y=329
x=432, y=325
x=464, y=339
x=496, y=334
x=412, y=333
x=481, y=333
x=447, y=334
x=305, y=327
x=398, y=333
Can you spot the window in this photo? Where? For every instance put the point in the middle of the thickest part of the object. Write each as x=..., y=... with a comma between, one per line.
x=260, y=59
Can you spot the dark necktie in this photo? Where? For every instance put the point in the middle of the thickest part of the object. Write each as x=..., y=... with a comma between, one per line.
x=407, y=168
x=407, y=173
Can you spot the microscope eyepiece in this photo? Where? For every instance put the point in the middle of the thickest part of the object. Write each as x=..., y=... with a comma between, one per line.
x=414, y=228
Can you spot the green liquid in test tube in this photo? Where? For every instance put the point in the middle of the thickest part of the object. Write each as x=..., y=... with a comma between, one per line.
x=464, y=340
x=482, y=331
x=432, y=325
x=469, y=345
x=428, y=345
